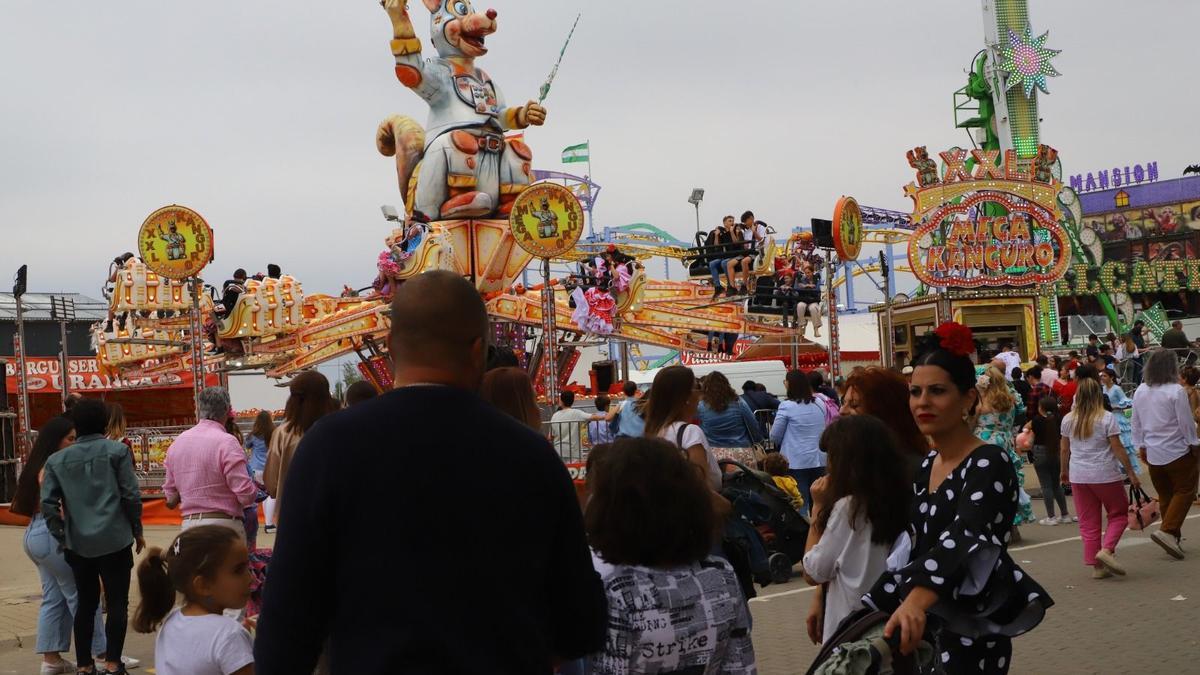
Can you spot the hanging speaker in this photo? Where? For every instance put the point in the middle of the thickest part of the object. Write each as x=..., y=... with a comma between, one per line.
x=822, y=233
x=606, y=374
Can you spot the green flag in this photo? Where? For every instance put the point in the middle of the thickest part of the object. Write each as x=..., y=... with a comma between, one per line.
x=1156, y=320
x=577, y=153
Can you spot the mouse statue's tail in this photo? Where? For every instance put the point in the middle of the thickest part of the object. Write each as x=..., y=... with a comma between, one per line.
x=403, y=138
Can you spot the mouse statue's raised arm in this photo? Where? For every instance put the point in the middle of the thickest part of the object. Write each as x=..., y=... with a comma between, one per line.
x=459, y=165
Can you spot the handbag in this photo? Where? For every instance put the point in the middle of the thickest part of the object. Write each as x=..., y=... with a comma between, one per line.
x=758, y=451
x=1143, y=511
x=1025, y=440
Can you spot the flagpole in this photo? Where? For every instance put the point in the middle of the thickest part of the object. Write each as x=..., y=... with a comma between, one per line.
x=591, y=216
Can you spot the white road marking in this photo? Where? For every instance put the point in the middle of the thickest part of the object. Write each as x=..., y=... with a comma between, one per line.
x=1063, y=541
x=806, y=589
x=767, y=598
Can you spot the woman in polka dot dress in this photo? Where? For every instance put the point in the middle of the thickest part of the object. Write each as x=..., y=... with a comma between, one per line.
x=958, y=574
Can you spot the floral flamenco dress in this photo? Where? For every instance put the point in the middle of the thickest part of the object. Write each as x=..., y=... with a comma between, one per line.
x=958, y=540
x=997, y=428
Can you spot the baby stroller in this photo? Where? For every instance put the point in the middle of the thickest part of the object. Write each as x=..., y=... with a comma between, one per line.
x=859, y=648
x=781, y=529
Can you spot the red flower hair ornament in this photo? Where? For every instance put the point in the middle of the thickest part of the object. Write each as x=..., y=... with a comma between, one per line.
x=956, y=338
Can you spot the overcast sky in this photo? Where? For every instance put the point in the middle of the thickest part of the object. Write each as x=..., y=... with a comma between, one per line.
x=261, y=115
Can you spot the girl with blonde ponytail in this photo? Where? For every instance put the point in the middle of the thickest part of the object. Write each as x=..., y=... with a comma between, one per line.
x=210, y=567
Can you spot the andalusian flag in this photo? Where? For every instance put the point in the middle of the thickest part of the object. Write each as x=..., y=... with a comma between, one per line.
x=577, y=153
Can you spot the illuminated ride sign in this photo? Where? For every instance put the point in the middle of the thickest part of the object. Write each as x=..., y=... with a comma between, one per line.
x=989, y=224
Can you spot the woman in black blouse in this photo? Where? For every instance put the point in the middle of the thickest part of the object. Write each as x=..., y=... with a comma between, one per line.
x=959, y=575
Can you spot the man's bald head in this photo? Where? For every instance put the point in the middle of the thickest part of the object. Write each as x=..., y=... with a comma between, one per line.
x=439, y=323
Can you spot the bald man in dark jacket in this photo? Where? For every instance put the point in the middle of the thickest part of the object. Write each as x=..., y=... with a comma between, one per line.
x=398, y=561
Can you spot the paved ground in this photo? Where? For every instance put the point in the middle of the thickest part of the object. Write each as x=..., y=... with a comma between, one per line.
x=1145, y=623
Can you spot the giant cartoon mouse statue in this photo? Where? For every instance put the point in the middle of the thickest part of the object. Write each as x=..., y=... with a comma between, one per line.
x=467, y=168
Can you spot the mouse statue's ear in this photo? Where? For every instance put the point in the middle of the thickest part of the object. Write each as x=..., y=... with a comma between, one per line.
x=433, y=5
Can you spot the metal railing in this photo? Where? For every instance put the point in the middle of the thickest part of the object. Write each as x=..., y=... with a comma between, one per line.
x=149, y=449
x=10, y=459
x=573, y=440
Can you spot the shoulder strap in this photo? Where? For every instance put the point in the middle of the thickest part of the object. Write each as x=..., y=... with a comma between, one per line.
x=679, y=435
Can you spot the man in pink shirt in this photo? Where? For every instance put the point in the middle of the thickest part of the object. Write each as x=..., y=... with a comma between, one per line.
x=206, y=469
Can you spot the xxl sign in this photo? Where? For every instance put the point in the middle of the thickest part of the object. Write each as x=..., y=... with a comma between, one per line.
x=985, y=223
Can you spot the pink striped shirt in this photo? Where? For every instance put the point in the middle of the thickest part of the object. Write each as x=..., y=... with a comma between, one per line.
x=206, y=470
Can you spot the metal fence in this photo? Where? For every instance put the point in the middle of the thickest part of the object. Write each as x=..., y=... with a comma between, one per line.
x=10, y=459
x=573, y=440
x=149, y=450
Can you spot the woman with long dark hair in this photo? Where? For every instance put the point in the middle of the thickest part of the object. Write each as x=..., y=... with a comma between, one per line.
x=59, y=595
x=673, y=401
x=960, y=523
x=308, y=401
x=797, y=430
x=859, y=509
x=511, y=391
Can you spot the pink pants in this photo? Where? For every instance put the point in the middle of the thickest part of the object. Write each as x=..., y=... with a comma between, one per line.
x=1090, y=499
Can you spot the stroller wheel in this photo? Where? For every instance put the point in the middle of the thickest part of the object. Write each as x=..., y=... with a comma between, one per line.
x=781, y=568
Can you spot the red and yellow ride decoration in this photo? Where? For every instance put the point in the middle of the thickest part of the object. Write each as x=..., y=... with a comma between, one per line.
x=175, y=242
x=847, y=229
x=988, y=225
x=283, y=330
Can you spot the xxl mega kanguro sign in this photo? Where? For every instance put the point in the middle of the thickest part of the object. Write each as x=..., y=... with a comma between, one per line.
x=982, y=222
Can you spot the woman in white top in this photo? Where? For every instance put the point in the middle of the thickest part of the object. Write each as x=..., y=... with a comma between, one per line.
x=670, y=408
x=1164, y=432
x=859, y=509
x=1092, y=458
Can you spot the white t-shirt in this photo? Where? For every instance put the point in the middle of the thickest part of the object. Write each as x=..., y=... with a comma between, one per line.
x=1163, y=423
x=751, y=233
x=1049, y=377
x=1011, y=360
x=1092, y=460
x=565, y=425
x=212, y=644
x=848, y=561
x=693, y=435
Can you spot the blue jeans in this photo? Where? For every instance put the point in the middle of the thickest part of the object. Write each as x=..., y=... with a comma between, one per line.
x=715, y=267
x=59, y=597
x=804, y=480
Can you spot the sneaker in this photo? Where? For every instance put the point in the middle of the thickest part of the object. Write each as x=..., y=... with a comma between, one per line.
x=1064, y=520
x=127, y=663
x=57, y=668
x=1169, y=543
x=1101, y=573
x=1110, y=563
x=1074, y=519
x=1049, y=521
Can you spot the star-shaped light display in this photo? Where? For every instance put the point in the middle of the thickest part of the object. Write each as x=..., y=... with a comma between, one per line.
x=1027, y=61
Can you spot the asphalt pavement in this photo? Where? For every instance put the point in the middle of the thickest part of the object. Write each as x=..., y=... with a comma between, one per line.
x=1146, y=622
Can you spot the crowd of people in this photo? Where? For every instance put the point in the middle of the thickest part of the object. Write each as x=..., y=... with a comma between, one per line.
x=912, y=484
